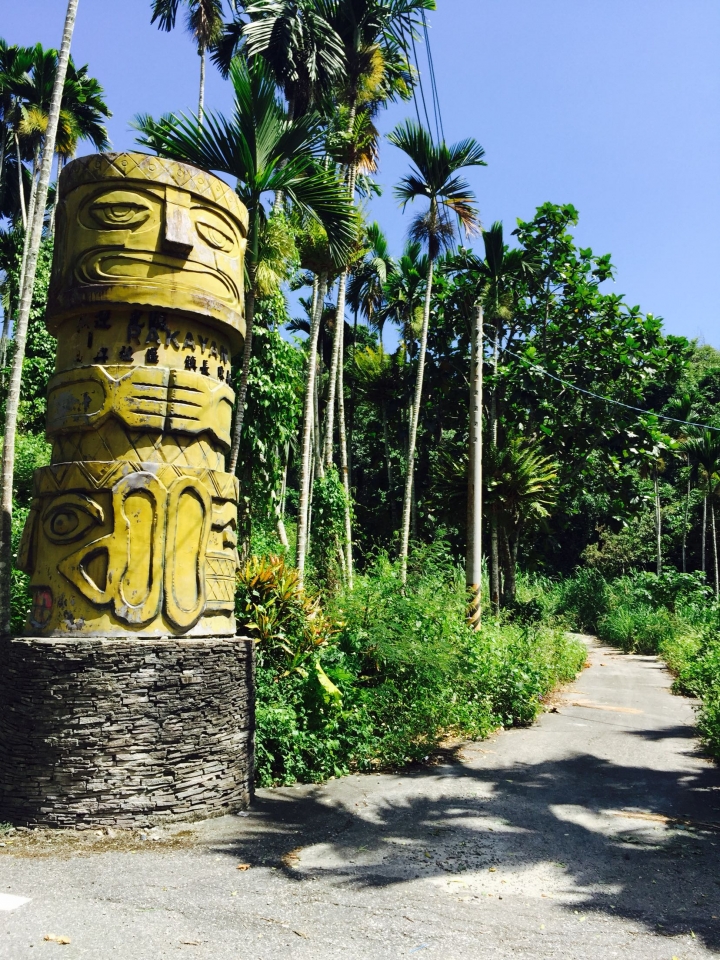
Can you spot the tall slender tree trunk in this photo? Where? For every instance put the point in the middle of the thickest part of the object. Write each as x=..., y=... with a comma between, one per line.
x=473, y=561
x=658, y=522
x=319, y=469
x=280, y=507
x=313, y=471
x=60, y=165
x=317, y=304
x=509, y=559
x=715, y=551
x=412, y=438
x=3, y=139
x=327, y=451
x=21, y=186
x=703, y=551
x=336, y=378
x=685, y=523
x=31, y=213
x=353, y=391
x=244, y=375
x=317, y=453
x=13, y=396
x=494, y=542
x=388, y=463
x=252, y=250
x=347, y=546
x=303, y=522
x=201, y=97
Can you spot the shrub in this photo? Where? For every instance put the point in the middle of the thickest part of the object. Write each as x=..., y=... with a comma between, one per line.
x=584, y=599
x=640, y=629
x=709, y=722
x=393, y=672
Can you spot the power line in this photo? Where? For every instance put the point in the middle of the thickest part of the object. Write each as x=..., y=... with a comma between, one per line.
x=433, y=82
x=597, y=396
x=419, y=84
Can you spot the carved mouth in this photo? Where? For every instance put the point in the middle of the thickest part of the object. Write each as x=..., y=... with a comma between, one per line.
x=116, y=266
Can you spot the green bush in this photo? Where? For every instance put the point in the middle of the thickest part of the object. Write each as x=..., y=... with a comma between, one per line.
x=638, y=629
x=396, y=671
x=31, y=451
x=709, y=722
x=584, y=599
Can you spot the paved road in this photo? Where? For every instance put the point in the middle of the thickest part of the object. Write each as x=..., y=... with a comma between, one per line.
x=588, y=836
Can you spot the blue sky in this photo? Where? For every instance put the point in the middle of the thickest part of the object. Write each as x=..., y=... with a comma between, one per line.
x=610, y=106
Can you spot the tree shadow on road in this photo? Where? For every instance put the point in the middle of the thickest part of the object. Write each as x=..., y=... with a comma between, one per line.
x=629, y=841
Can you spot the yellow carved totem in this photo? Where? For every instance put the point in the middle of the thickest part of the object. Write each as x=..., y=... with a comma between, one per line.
x=133, y=528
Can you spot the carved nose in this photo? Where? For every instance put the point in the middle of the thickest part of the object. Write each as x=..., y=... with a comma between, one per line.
x=178, y=237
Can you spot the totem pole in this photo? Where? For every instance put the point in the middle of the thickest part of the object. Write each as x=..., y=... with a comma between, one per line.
x=132, y=533
x=133, y=526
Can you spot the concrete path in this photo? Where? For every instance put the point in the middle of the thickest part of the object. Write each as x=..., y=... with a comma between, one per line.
x=594, y=834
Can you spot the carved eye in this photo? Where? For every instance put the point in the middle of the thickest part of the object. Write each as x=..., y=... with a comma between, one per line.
x=120, y=214
x=69, y=518
x=214, y=236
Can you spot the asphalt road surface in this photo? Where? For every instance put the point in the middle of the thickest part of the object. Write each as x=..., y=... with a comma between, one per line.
x=593, y=834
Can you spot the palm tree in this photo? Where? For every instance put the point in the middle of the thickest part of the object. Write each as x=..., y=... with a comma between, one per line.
x=15, y=62
x=13, y=396
x=374, y=34
x=204, y=20
x=435, y=178
x=366, y=287
x=520, y=489
x=501, y=274
x=404, y=295
x=299, y=44
x=315, y=256
x=653, y=467
x=82, y=111
x=266, y=152
x=473, y=558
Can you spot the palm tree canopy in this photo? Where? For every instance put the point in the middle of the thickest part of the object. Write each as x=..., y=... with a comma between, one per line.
x=303, y=50
x=82, y=109
x=704, y=451
x=366, y=287
x=404, y=292
x=434, y=176
x=377, y=375
x=204, y=19
x=15, y=62
x=521, y=480
x=375, y=36
x=263, y=149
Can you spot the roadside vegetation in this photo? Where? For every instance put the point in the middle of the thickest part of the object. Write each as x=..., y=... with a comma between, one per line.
x=600, y=435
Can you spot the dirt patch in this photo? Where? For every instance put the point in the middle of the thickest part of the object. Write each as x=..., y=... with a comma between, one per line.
x=73, y=843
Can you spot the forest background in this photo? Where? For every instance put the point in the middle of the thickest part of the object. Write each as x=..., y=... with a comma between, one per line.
x=600, y=431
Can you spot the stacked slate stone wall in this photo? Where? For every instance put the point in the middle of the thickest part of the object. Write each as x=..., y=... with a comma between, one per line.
x=122, y=732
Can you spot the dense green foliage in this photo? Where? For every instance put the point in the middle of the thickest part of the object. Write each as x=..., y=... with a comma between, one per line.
x=383, y=676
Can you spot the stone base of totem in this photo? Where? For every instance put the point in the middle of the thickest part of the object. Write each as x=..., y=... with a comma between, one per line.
x=124, y=732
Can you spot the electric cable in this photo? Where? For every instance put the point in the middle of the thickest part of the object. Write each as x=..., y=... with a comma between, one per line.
x=419, y=84
x=433, y=82
x=597, y=396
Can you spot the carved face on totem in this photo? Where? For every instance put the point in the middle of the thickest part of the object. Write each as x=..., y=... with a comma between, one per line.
x=137, y=229
x=120, y=547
